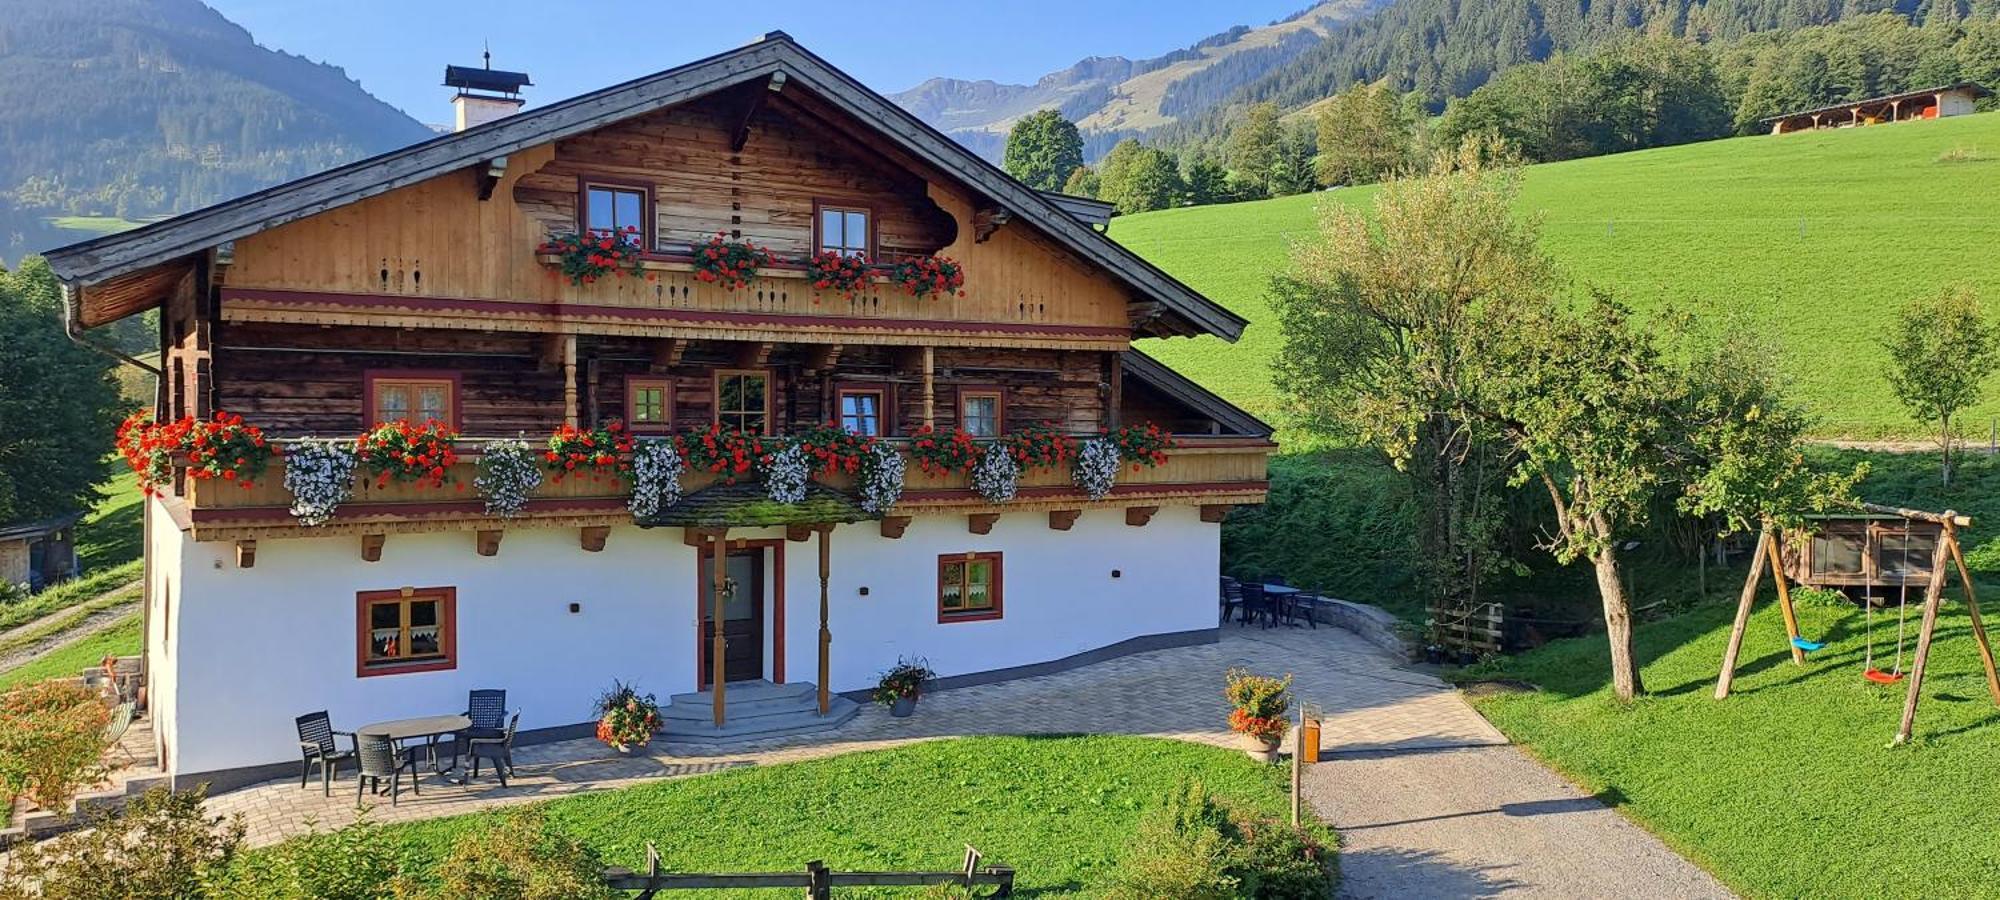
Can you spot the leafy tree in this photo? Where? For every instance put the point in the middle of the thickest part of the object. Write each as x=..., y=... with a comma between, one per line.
x=1608, y=415
x=1382, y=317
x=1138, y=178
x=1252, y=148
x=1207, y=181
x=1043, y=149
x=1364, y=135
x=1941, y=353
x=59, y=404
x=1083, y=182
x=1292, y=164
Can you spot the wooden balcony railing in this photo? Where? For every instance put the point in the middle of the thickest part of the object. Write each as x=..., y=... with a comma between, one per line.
x=1203, y=471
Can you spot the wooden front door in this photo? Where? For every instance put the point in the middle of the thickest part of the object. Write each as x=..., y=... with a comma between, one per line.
x=742, y=618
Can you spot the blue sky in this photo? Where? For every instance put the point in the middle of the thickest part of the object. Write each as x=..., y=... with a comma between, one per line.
x=397, y=49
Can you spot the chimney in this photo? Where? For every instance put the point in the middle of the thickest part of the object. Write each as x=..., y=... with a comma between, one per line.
x=484, y=94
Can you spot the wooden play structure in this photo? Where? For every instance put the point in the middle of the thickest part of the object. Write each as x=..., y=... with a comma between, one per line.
x=1884, y=549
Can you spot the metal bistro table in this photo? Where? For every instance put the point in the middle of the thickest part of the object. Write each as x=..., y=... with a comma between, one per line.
x=1284, y=602
x=429, y=728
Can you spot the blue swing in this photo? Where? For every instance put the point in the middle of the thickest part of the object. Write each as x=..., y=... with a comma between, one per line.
x=1806, y=645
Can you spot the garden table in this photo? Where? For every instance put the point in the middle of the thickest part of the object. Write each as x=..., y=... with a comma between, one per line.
x=428, y=727
x=1286, y=598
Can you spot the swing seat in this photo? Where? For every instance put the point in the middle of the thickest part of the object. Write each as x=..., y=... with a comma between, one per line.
x=1880, y=677
x=1806, y=645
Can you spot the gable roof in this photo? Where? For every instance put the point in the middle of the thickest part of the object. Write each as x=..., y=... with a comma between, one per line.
x=1180, y=387
x=776, y=54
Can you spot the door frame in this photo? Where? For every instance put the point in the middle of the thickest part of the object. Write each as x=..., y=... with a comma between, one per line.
x=774, y=618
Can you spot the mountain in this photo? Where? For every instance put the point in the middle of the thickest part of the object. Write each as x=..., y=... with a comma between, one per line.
x=120, y=110
x=1111, y=97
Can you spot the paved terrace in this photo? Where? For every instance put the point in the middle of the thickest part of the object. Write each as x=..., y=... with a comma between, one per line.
x=1429, y=798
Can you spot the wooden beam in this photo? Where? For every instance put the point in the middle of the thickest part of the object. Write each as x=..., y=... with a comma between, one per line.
x=751, y=105
x=1215, y=512
x=1743, y=605
x=371, y=547
x=1137, y=516
x=894, y=526
x=592, y=537
x=822, y=358
x=1062, y=519
x=1114, y=403
x=1933, y=598
x=667, y=353
x=798, y=532
x=1785, y=600
x=490, y=176
x=570, y=410
x=549, y=355
x=697, y=537
x=718, y=682
x=489, y=541
x=753, y=354
x=987, y=220
x=981, y=523
x=246, y=554
x=930, y=387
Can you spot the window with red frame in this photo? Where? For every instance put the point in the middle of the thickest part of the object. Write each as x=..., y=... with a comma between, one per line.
x=407, y=630
x=861, y=411
x=968, y=586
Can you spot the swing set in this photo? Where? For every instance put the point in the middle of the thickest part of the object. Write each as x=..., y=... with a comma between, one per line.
x=1884, y=548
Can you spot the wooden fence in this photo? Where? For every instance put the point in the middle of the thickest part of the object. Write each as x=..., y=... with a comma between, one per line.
x=817, y=880
x=1479, y=629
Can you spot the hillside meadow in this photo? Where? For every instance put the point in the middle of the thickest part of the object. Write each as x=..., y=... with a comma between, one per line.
x=1814, y=237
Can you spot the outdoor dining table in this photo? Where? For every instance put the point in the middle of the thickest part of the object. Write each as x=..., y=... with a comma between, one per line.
x=1286, y=598
x=428, y=727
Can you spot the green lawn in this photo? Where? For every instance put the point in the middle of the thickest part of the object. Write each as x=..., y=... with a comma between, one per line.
x=1815, y=237
x=122, y=639
x=113, y=532
x=1061, y=810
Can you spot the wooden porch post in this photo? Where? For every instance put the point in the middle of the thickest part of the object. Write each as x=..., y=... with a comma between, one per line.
x=930, y=388
x=569, y=379
x=825, y=635
x=716, y=679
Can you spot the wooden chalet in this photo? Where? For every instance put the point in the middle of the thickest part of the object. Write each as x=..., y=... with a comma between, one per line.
x=419, y=285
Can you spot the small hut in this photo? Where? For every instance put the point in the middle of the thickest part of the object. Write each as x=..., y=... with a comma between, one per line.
x=1864, y=551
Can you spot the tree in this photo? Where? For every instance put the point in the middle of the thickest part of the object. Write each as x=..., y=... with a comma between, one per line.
x=1207, y=181
x=1043, y=149
x=1941, y=352
x=1137, y=178
x=59, y=404
x=1381, y=317
x=1363, y=135
x=1083, y=182
x=1252, y=147
x=1609, y=415
x=1292, y=164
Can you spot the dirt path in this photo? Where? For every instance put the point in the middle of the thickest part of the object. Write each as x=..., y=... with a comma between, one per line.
x=91, y=624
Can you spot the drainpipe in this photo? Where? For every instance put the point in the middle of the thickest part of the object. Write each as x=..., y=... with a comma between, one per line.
x=74, y=327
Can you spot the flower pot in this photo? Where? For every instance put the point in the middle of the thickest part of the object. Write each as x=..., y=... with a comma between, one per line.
x=1257, y=748
x=903, y=707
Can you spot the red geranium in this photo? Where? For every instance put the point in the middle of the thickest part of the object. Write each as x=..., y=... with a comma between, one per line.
x=220, y=447
x=588, y=256
x=1040, y=447
x=840, y=273
x=731, y=264
x=943, y=454
x=731, y=453
x=1143, y=447
x=929, y=276
x=399, y=451
x=833, y=449
x=578, y=453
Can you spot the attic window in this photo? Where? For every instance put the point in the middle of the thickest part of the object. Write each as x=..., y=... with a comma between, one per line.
x=616, y=209
x=844, y=230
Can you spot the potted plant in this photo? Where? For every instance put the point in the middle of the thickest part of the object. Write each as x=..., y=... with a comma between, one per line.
x=1258, y=706
x=626, y=718
x=900, y=687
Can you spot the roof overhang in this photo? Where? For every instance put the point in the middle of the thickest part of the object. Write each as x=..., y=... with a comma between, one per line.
x=92, y=263
x=1180, y=387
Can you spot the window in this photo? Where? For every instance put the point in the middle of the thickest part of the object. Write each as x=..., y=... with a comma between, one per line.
x=743, y=401
x=861, y=411
x=616, y=210
x=1837, y=552
x=844, y=230
x=415, y=398
x=1905, y=555
x=979, y=413
x=968, y=586
x=408, y=630
x=646, y=404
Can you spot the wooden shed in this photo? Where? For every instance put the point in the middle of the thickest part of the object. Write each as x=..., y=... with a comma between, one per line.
x=1863, y=551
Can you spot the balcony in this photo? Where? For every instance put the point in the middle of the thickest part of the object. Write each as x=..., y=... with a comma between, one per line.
x=1213, y=473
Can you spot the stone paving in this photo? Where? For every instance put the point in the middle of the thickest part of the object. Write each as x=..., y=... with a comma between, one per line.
x=1429, y=797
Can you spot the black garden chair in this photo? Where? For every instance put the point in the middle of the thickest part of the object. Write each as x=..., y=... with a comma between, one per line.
x=381, y=759
x=497, y=750
x=317, y=748
x=1257, y=605
x=1232, y=596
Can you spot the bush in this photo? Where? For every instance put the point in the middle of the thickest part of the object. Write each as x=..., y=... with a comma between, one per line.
x=51, y=741
x=521, y=856
x=1197, y=846
x=1342, y=522
x=160, y=846
x=356, y=862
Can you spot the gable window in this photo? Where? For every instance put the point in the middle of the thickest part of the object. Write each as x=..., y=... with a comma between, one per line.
x=647, y=404
x=743, y=400
x=417, y=399
x=407, y=630
x=861, y=411
x=616, y=210
x=979, y=412
x=968, y=587
x=844, y=230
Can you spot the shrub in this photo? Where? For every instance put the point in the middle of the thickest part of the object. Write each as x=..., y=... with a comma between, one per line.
x=520, y=856
x=1280, y=862
x=1197, y=846
x=160, y=846
x=357, y=862
x=51, y=741
x=1258, y=703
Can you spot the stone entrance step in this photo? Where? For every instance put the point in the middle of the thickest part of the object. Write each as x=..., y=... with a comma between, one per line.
x=755, y=710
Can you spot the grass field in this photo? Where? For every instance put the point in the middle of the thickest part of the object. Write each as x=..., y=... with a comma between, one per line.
x=122, y=639
x=1061, y=810
x=1815, y=237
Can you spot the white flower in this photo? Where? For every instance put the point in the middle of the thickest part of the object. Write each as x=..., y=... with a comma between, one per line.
x=656, y=478
x=881, y=478
x=1096, y=467
x=320, y=475
x=786, y=475
x=997, y=475
x=508, y=474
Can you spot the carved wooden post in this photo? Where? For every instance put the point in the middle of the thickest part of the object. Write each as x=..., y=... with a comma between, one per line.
x=825, y=634
x=715, y=669
x=930, y=388
x=569, y=379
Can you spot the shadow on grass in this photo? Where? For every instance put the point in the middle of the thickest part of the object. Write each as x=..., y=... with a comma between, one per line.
x=1398, y=873
x=112, y=537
